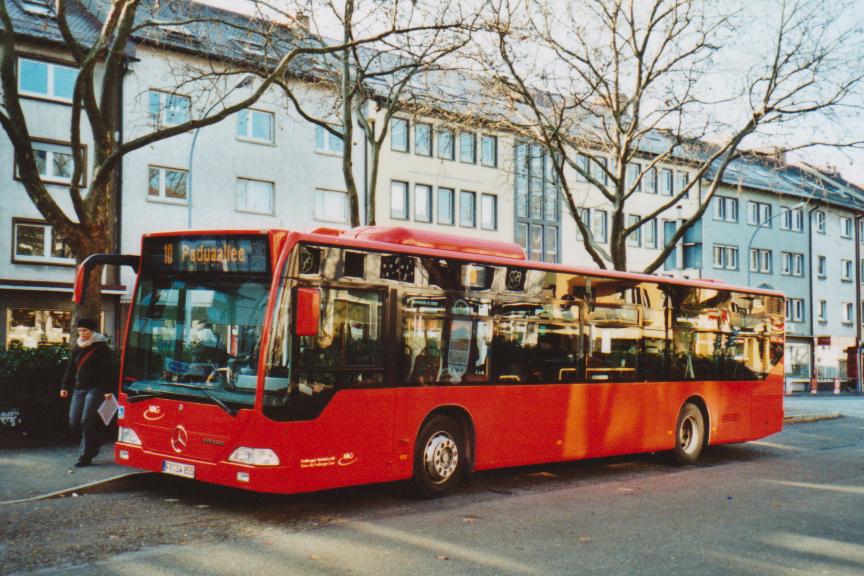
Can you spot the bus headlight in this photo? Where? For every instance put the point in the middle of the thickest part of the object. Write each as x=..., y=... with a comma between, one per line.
x=128, y=436
x=254, y=456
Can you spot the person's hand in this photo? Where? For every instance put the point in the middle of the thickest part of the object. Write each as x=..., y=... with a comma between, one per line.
x=64, y=393
x=108, y=395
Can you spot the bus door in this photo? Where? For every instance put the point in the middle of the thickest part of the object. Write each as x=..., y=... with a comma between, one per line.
x=339, y=401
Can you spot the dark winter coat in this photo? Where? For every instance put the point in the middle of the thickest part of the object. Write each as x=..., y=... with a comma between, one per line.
x=90, y=367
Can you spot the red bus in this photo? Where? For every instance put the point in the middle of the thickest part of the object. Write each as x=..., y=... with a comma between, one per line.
x=291, y=362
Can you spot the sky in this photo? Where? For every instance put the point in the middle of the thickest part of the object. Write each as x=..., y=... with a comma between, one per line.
x=849, y=162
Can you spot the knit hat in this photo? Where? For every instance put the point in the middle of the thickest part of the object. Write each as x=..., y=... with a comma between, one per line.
x=87, y=323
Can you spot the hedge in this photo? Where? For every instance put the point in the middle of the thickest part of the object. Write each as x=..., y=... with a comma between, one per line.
x=30, y=382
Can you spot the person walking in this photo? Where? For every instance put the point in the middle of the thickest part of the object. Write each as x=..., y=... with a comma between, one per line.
x=89, y=378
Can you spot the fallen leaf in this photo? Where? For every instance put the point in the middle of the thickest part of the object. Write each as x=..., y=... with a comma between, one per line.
x=584, y=539
x=442, y=557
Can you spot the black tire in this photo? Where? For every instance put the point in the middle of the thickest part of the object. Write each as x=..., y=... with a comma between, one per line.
x=689, y=435
x=439, y=457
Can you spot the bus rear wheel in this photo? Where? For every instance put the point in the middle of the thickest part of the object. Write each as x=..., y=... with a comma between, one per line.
x=689, y=435
x=439, y=457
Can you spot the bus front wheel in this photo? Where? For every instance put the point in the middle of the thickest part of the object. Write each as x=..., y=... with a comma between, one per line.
x=439, y=457
x=689, y=434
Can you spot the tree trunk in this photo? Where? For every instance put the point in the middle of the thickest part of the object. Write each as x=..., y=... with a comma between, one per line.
x=617, y=241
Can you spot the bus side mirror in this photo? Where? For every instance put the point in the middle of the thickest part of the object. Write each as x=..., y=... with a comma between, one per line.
x=308, y=312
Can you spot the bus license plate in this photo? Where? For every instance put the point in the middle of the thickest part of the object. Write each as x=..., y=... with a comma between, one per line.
x=178, y=469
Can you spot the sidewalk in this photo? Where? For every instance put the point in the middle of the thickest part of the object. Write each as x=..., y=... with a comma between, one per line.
x=27, y=472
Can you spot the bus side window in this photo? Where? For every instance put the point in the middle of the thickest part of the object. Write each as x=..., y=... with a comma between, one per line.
x=446, y=338
x=529, y=348
x=614, y=333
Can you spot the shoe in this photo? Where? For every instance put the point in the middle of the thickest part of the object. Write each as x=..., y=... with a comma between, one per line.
x=82, y=462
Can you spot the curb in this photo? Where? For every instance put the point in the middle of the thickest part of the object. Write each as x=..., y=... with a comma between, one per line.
x=67, y=491
x=813, y=417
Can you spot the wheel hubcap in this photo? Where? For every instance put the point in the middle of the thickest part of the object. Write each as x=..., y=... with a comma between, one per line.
x=440, y=457
x=689, y=438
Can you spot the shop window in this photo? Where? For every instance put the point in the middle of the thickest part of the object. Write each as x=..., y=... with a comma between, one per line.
x=27, y=328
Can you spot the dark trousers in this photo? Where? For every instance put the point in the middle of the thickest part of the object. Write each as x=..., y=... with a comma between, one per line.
x=85, y=420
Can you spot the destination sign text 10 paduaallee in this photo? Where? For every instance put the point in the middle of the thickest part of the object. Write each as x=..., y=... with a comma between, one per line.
x=210, y=254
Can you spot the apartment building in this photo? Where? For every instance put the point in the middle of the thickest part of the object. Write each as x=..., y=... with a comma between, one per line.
x=793, y=229
x=492, y=184
x=262, y=168
x=769, y=225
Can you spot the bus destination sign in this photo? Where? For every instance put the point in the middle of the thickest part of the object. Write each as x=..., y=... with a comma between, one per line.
x=222, y=253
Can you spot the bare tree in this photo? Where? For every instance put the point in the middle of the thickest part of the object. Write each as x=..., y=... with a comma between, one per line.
x=639, y=83
x=95, y=108
x=391, y=75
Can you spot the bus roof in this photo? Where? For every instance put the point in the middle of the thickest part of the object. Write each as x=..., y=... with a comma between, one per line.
x=403, y=240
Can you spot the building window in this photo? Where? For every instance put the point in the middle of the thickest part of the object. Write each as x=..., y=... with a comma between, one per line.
x=667, y=182
x=489, y=212
x=759, y=214
x=760, y=260
x=422, y=203
x=635, y=238
x=725, y=257
x=845, y=227
x=822, y=311
x=846, y=270
x=582, y=168
x=46, y=79
x=168, y=184
x=598, y=170
x=537, y=201
x=38, y=242
x=649, y=181
x=446, y=150
x=847, y=313
x=550, y=246
x=683, y=181
x=169, y=109
x=633, y=171
x=327, y=142
x=255, y=126
x=27, y=328
x=399, y=200
x=38, y=7
x=821, y=266
x=794, y=309
x=726, y=209
x=331, y=206
x=649, y=231
x=489, y=151
x=399, y=134
x=446, y=212
x=423, y=139
x=600, y=226
x=467, y=209
x=792, y=219
x=793, y=264
x=255, y=196
x=820, y=222
x=54, y=162
x=468, y=147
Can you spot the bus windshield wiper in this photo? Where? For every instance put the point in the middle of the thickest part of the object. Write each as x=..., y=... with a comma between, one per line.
x=217, y=401
x=133, y=397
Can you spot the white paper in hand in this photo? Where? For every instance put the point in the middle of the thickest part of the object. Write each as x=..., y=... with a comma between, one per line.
x=108, y=409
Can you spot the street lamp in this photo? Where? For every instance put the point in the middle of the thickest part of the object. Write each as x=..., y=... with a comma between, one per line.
x=759, y=227
x=241, y=84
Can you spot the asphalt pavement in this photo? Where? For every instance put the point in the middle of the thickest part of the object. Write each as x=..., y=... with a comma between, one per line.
x=32, y=472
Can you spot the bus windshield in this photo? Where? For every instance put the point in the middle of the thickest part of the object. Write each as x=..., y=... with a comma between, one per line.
x=196, y=337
